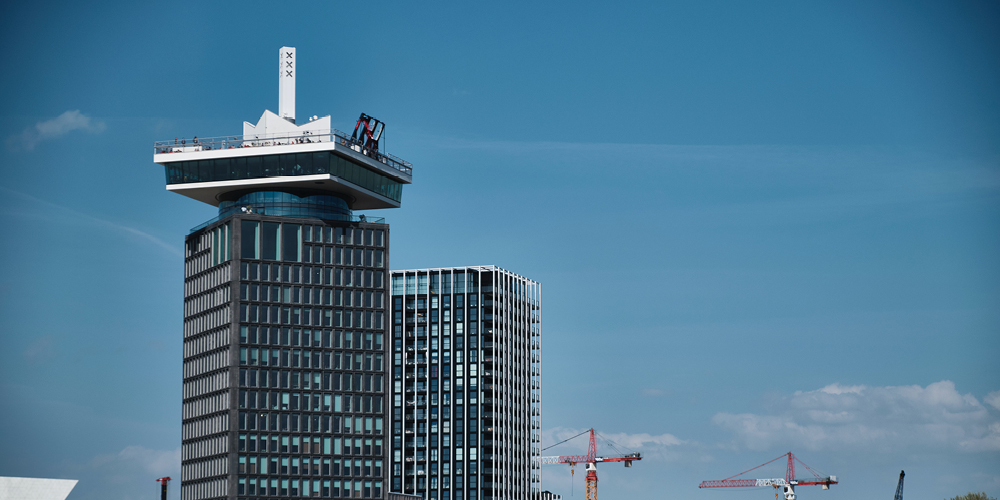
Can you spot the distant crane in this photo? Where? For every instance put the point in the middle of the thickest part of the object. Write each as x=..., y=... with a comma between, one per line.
x=163, y=487
x=590, y=459
x=787, y=484
x=899, y=487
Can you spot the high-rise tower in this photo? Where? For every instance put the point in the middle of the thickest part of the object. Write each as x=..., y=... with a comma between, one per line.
x=466, y=383
x=286, y=339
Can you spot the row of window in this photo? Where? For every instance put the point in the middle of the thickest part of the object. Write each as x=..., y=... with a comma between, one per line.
x=310, y=445
x=346, y=403
x=422, y=344
x=306, y=338
x=433, y=494
x=445, y=481
x=446, y=441
x=420, y=356
x=458, y=479
x=446, y=399
x=421, y=386
x=441, y=280
x=282, y=241
x=325, y=488
x=294, y=466
x=311, y=316
x=422, y=427
x=294, y=422
x=278, y=165
x=306, y=401
x=288, y=273
x=446, y=412
x=420, y=330
x=324, y=424
x=285, y=379
x=443, y=301
x=299, y=358
x=340, y=256
x=319, y=275
x=312, y=296
x=446, y=283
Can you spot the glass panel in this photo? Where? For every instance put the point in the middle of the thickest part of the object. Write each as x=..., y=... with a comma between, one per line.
x=291, y=243
x=255, y=167
x=285, y=164
x=320, y=163
x=220, y=169
x=269, y=241
x=249, y=249
x=270, y=166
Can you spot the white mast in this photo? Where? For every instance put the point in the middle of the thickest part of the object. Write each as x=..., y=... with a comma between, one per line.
x=286, y=83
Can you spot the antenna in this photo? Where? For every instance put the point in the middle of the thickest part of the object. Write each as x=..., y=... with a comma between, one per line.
x=286, y=83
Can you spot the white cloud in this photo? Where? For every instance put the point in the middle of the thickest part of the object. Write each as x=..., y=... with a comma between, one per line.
x=651, y=446
x=162, y=462
x=936, y=417
x=993, y=399
x=56, y=127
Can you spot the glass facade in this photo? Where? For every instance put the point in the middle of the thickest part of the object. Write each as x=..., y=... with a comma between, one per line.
x=286, y=360
x=466, y=402
x=292, y=164
x=289, y=205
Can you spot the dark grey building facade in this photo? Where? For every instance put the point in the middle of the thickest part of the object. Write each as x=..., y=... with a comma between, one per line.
x=285, y=357
x=466, y=383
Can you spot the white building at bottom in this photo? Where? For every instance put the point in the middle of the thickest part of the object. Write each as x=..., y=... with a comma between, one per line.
x=30, y=488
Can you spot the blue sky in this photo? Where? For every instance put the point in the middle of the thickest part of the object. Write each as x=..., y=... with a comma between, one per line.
x=760, y=228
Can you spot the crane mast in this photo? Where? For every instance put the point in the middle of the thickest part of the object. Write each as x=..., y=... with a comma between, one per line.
x=899, y=487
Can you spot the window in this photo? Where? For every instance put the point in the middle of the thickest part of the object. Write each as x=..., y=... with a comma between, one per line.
x=269, y=241
x=291, y=243
x=249, y=245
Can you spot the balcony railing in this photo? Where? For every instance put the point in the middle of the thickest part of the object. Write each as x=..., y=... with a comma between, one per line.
x=286, y=139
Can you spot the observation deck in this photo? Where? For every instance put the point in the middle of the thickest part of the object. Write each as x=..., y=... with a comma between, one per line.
x=303, y=162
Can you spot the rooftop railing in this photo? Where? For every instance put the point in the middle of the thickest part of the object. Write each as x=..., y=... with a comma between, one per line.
x=267, y=140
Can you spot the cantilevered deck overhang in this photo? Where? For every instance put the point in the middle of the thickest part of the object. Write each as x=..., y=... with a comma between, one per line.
x=357, y=197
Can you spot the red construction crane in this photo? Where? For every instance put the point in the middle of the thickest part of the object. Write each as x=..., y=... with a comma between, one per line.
x=590, y=459
x=787, y=484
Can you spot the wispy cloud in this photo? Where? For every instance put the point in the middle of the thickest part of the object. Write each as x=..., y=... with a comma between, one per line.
x=162, y=462
x=56, y=127
x=654, y=392
x=650, y=445
x=41, y=350
x=892, y=418
x=77, y=216
x=128, y=474
x=993, y=399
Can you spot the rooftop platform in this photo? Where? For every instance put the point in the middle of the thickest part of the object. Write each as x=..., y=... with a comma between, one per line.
x=210, y=169
x=323, y=140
